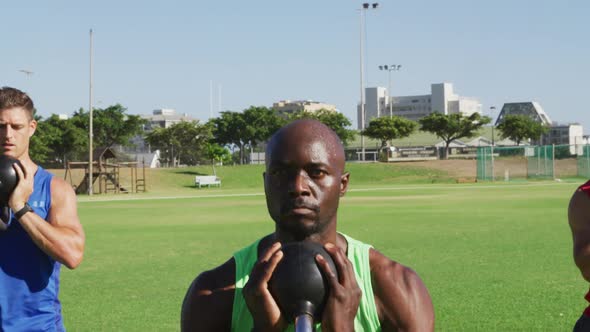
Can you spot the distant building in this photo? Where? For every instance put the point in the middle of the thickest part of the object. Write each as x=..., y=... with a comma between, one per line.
x=529, y=108
x=569, y=134
x=288, y=106
x=164, y=118
x=558, y=134
x=160, y=118
x=441, y=99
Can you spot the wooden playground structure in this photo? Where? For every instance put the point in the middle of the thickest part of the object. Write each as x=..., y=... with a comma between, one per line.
x=107, y=171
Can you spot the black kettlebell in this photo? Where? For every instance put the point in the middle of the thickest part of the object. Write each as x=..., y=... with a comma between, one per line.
x=298, y=285
x=8, y=177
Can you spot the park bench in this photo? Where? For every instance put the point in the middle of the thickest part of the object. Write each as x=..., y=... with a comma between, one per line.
x=207, y=180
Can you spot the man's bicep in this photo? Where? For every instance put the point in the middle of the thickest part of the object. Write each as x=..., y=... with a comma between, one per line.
x=196, y=314
x=421, y=303
x=64, y=207
x=579, y=221
x=402, y=298
x=208, y=303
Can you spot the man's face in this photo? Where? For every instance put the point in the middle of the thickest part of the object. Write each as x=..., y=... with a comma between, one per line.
x=15, y=131
x=303, y=183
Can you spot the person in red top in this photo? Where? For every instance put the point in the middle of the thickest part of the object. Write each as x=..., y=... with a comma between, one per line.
x=579, y=220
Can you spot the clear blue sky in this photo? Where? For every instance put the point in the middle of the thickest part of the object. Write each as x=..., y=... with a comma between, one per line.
x=156, y=54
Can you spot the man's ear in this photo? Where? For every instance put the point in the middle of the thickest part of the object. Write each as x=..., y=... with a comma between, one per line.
x=33, y=126
x=344, y=183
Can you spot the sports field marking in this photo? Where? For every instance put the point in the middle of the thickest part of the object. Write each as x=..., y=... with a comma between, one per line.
x=409, y=187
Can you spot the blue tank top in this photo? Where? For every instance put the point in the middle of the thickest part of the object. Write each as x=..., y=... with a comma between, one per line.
x=29, y=278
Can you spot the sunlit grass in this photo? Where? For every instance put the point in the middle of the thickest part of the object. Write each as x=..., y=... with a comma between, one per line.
x=494, y=257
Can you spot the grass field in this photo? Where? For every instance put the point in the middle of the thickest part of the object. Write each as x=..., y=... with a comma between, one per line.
x=495, y=257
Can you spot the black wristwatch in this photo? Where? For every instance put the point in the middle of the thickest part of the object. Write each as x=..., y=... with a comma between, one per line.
x=27, y=208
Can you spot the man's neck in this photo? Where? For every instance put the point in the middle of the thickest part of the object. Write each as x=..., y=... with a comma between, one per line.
x=26, y=160
x=327, y=236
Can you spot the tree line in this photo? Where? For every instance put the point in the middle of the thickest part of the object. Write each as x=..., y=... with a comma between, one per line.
x=229, y=137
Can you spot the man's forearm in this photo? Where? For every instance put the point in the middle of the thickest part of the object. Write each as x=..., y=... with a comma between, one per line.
x=63, y=244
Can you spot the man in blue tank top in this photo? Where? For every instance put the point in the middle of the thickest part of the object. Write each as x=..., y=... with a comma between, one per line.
x=303, y=182
x=39, y=228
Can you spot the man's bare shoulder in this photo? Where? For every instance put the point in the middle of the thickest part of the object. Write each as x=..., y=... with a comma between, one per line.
x=579, y=210
x=62, y=193
x=59, y=184
x=401, y=297
x=209, y=300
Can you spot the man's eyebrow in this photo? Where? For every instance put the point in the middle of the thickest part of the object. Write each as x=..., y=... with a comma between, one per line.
x=319, y=165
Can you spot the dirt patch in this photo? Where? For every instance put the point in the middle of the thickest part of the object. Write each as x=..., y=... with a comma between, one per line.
x=455, y=168
x=512, y=167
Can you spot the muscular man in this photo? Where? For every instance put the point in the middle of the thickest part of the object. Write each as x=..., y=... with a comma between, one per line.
x=41, y=228
x=303, y=182
x=579, y=220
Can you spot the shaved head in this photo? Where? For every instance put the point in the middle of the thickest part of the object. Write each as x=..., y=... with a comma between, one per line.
x=310, y=132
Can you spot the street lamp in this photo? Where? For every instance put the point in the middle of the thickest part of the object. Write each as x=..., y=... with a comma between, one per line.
x=26, y=72
x=492, y=111
x=90, y=129
x=389, y=68
x=366, y=6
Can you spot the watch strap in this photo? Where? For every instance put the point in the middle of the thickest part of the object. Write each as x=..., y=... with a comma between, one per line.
x=27, y=208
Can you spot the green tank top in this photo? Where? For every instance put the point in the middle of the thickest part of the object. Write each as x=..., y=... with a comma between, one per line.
x=366, y=318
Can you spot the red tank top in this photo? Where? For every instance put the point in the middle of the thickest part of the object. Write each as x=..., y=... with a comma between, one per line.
x=586, y=188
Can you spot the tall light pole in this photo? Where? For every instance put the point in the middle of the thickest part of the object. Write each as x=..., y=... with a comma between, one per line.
x=390, y=68
x=492, y=109
x=363, y=9
x=90, y=157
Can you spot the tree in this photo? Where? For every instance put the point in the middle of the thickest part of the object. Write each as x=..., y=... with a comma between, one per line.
x=261, y=123
x=387, y=128
x=217, y=154
x=228, y=129
x=39, y=149
x=69, y=142
x=161, y=139
x=183, y=142
x=110, y=125
x=334, y=120
x=520, y=127
x=249, y=128
x=450, y=127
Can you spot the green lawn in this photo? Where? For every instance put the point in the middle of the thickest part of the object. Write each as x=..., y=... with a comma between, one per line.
x=495, y=257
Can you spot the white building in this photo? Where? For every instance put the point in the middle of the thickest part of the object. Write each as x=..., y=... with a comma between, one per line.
x=160, y=118
x=288, y=106
x=441, y=99
x=164, y=118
